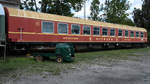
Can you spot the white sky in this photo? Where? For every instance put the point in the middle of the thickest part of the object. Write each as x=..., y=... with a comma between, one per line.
x=133, y=4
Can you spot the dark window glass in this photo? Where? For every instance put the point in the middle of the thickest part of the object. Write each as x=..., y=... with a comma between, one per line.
x=105, y=31
x=142, y=34
x=87, y=30
x=112, y=32
x=96, y=31
x=62, y=28
x=137, y=34
x=120, y=32
x=126, y=33
x=131, y=34
x=47, y=27
x=75, y=29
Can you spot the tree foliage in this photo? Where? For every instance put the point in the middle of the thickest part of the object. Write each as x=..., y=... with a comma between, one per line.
x=59, y=7
x=29, y=5
x=95, y=10
x=115, y=12
x=146, y=14
x=138, y=18
x=142, y=17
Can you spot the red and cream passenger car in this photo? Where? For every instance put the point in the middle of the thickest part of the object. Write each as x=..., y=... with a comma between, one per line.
x=26, y=28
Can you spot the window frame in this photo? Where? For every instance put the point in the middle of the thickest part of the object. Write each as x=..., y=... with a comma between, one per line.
x=128, y=33
x=58, y=28
x=141, y=34
x=106, y=29
x=98, y=31
x=133, y=34
x=79, y=29
x=48, y=32
x=114, y=32
x=138, y=34
x=119, y=32
x=84, y=27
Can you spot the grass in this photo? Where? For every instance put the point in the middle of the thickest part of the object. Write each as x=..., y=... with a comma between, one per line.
x=29, y=65
x=122, y=54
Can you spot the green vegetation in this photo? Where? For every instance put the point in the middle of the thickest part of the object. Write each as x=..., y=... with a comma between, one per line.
x=141, y=16
x=112, y=11
x=110, y=54
x=95, y=10
x=115, y=11
x=29, y=65
x=59, y=7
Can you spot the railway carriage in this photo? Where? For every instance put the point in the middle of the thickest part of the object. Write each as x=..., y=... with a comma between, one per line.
x=26, y=30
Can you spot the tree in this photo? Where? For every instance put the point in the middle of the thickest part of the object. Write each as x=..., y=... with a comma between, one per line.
x=59, y=7
x=115, y=12
x=146, y=14
x=142, y=17
x=29, y=5
x=95, y=10
x=128, y=21
x=138, y=17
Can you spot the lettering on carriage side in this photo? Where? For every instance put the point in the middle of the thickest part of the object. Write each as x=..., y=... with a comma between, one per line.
x=90, y=38
x=104, y=39
x=126, y=39
x=70, y=38
x=142, y=39
x=99, y=38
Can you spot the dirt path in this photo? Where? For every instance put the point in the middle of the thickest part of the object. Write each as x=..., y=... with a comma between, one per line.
x=135, y=71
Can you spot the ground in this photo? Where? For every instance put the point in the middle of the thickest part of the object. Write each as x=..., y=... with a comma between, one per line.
x=126, y=66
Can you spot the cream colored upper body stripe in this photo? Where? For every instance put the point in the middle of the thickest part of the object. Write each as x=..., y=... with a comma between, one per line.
x=52, y=17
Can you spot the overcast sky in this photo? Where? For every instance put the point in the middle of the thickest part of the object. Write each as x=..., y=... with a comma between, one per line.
x=133, y=4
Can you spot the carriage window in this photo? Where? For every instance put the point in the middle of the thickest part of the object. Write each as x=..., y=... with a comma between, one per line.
x=120, y=32
x=112, y=32
x=142, y=34
x=126, y=33
x=137, y=34
x=96, y=31
x=131, y=34
x=75, y=29
x=105, y=30
x=62, y=28
x=47, y=27
x=86, y=30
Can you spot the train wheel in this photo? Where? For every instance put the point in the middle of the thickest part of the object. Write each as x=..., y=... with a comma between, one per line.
x=59, y=59
x=39, y=58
